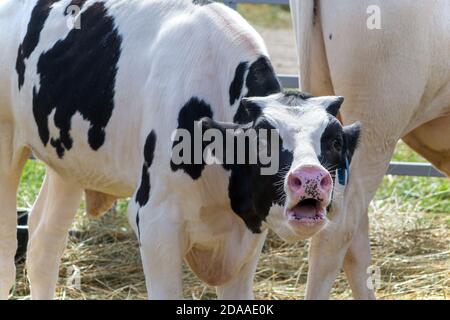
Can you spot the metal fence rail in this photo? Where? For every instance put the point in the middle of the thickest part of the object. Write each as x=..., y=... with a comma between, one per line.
x=414, y=169
x=291, y=81
x=233, y=3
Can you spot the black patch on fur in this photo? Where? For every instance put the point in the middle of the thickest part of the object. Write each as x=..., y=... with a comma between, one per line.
x=352, y=135
x=261, y=81
x=138, y=227
x=332, y=145
x=331, y=36
x=194, y=110
x=253, y=109
x=338, y=144
x=78, y=3
x=252, y=194
x=238, y=82
x=78, y=75
x=334, y=105
x=39, y=15
x=143, y=193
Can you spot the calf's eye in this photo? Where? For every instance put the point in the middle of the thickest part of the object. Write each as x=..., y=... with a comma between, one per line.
x=337, y=144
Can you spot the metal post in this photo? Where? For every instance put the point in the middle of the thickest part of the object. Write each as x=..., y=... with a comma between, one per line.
x=231, y=3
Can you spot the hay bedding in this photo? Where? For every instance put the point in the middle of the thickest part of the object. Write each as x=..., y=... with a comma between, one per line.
x=413, y=255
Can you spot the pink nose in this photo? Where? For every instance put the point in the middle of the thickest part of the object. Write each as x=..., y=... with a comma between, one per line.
x=310, y=182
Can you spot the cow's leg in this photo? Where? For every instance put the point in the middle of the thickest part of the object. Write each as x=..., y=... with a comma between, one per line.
x=12, y=160
x=50, y=220
x=343, y=235
x=430, y=141
x=241, y=287
x=368, y=79
x=357, y=262
x=160, y=232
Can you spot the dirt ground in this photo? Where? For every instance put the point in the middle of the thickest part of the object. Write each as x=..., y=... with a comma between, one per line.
x=282, y=49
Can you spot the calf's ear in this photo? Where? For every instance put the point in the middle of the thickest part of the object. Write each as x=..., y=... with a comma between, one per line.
x=333, y=105
x=351, y=135
x=240, y=188
x=253, y=108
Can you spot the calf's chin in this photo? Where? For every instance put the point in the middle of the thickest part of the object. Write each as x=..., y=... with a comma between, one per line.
x=278, y=222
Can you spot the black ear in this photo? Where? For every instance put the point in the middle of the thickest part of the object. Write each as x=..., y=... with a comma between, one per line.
x=240, y=188
x=253, y=109
x=351, y=135
x=333, y=105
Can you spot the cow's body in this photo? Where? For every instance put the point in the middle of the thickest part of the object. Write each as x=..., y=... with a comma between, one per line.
x=140, y=96
x=100, y=103
x=159, y=58
x=396, y=81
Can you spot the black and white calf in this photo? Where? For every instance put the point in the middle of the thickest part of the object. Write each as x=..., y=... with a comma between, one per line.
x=99, y=105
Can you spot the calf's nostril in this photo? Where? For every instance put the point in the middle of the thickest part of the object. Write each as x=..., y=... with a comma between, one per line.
x=295, y=182
x=326, y=182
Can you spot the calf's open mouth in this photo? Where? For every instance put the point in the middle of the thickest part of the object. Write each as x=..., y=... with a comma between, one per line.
x=308, y=211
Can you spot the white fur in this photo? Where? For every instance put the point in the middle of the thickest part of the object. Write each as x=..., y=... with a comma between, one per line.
x=394, y=80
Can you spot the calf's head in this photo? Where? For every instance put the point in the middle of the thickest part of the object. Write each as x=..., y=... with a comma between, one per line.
x=312, y=151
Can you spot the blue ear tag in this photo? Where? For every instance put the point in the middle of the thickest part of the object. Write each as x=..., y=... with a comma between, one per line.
x=343, y=173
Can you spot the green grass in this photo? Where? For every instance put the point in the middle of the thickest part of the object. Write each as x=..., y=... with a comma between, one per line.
x=265, y=15
x=413, y=194
x=404, y=153
x=32, y=177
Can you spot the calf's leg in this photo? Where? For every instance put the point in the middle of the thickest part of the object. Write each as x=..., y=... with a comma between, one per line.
x=12, y=160
x=50, y=220
x=357, y=262
x=160, y=232
x=241, y=286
